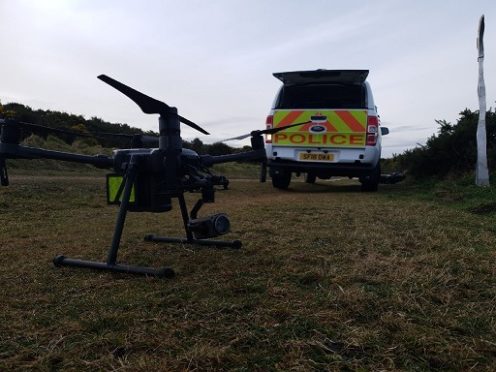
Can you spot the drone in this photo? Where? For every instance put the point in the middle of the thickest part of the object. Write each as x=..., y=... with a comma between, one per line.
x=146, y=177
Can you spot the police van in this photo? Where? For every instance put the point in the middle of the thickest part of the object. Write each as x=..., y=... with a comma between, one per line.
x=340, y=134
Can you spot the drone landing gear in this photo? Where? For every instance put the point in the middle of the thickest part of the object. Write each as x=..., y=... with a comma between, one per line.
x=127, y=269
x=190, y=235
x=111, y=264
x=236, y=244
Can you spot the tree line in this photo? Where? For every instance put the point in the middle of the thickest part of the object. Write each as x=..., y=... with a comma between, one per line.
x=101, y=132
x=452, y=151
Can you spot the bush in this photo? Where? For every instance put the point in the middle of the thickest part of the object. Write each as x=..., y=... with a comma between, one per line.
x=452, y=151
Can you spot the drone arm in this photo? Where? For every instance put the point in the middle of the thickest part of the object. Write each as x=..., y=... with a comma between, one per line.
x=255, y=155
x=14, y=151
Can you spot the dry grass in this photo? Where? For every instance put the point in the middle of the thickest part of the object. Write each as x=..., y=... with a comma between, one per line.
x=328, y=278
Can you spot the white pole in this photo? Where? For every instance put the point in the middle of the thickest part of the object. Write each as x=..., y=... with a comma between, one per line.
x=481, y=173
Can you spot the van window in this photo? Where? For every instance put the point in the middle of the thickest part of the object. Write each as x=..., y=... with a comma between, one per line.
x=322, y=96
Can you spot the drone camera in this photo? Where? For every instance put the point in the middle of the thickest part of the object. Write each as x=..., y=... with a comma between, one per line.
x=211, y=226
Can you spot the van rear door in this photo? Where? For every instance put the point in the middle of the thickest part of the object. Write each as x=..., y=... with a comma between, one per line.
x=336, y=112
x=323, y=76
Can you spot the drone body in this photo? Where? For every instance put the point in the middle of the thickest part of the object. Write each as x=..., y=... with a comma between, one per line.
x=147, y=178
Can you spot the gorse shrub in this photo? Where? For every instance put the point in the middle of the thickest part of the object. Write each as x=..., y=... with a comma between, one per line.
x=452, y=151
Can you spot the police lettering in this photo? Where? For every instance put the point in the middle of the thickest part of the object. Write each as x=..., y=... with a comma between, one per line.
x=336, y=139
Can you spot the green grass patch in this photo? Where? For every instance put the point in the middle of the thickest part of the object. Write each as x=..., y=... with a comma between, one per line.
x=328, y=278
x=459, y=194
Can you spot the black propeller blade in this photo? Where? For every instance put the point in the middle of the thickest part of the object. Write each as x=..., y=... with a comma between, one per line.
x=238, y=138
x=265, y=131
x=147, y=104
x=278, y=129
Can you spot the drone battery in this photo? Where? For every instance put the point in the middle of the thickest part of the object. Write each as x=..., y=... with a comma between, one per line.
x=146, y=194
x=10, y=133
x=151, y=193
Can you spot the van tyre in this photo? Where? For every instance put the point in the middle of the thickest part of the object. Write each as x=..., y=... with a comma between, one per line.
x=281, y=180
x=310, y=178
x=370, y=183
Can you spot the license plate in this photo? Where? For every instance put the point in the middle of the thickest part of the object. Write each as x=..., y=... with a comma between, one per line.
x=315, y=156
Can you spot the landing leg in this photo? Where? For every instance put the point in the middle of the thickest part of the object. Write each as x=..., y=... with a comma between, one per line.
x=111, y=264
x=235, y=244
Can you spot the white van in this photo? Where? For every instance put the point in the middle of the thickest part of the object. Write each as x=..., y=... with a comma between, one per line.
x=341, y=135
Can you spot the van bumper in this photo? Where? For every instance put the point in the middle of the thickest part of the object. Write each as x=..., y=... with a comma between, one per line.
x=322, y=170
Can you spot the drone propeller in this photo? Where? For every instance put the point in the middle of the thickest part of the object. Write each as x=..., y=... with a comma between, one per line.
x=238, y=138
x=265, y=131
x=146, y=103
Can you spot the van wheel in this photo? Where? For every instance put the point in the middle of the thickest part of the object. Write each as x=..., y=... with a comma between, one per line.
x=281, y=180
x=370, y=183
x=310, y=178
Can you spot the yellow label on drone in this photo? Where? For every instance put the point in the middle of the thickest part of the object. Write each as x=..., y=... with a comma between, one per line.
x=114, y=183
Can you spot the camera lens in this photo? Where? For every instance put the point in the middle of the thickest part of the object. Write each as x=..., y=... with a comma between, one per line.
x=221, y=224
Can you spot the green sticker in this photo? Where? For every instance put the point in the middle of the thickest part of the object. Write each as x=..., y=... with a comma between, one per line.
x=113, y=184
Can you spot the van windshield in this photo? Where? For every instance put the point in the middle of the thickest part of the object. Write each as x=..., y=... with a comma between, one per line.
x=322, y=96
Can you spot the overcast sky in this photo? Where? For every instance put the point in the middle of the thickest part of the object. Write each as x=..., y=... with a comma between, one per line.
x=214, y=59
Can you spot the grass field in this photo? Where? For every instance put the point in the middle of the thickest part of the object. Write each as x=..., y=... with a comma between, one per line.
x=328, y=279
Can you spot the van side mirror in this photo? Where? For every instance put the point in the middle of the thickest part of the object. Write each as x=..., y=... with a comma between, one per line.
x=384, y=131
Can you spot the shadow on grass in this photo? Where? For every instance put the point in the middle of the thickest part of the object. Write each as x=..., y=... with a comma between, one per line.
x=322, y=187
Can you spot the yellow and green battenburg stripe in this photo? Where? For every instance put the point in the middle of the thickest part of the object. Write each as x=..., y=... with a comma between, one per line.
x=342, y=121
x=113, y=184
x=343, y=128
